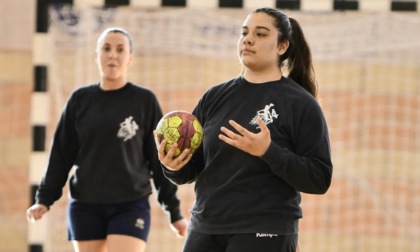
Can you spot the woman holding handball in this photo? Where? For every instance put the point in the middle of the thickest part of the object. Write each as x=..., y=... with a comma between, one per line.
x=106, y=134
x=265, y=141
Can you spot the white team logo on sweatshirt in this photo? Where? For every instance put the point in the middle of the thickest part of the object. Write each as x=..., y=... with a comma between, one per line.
x=267, y=115
x=127, y=129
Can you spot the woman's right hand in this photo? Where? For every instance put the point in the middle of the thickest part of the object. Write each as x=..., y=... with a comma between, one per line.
x=35, y=212
x=167, y=159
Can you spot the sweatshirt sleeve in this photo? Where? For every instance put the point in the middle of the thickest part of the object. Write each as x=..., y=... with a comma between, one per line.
x=166, y=194
x=62, y=156
x=308, y=168
x=190, y=172
x=166, y=191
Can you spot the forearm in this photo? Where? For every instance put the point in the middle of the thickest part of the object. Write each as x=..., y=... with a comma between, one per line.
x=308, y=174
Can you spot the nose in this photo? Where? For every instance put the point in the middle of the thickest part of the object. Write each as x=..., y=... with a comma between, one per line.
x=247, y=40
x=112, y=54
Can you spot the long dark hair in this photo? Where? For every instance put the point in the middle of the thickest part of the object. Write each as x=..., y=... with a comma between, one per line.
x=298, y=55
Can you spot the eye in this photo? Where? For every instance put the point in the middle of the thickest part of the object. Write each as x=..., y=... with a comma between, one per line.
x=120, y=49
x=106, y=48
x=259, y=34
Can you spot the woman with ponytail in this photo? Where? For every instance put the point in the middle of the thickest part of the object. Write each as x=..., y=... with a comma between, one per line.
x=265, y=141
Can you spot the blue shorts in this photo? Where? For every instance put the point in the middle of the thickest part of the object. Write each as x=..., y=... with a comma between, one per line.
x=96, y=221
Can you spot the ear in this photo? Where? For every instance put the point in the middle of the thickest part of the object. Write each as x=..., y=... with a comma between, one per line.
x=283, y=45
x=130, y=60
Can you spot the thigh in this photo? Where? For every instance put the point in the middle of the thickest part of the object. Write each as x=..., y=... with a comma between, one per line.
x=118, y=243
x=262, y=242
x=130, y=219
x=85, y=222
x=90, y=246
x=205, y=242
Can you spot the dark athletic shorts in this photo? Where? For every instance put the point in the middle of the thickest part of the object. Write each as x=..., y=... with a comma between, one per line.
x=240, y=242
x=95, y=222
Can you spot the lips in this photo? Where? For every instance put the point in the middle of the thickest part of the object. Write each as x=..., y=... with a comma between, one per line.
x=247, y=51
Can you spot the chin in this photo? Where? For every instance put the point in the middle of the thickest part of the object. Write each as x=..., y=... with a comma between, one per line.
x=112, y=76
x=247, y=64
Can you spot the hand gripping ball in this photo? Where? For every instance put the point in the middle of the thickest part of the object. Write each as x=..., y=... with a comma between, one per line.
x=180, y=127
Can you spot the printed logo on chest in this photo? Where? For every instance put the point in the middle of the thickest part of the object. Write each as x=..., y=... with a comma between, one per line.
x=268, y=114
x=127, y=129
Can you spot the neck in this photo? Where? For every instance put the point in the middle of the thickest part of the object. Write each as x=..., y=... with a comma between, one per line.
x=107, y=84
x=262, y=76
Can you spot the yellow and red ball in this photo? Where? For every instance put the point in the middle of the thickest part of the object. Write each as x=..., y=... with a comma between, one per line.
x=180, y=127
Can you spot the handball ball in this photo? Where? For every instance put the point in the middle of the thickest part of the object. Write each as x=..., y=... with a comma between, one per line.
x=180, y=127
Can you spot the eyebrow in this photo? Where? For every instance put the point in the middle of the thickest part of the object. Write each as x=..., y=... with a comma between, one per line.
x=110, y=44
x=258, y=27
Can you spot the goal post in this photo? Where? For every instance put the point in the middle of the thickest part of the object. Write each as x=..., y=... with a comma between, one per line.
x=367, y=66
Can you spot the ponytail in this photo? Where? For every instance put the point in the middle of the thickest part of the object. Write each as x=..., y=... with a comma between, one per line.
x=300, y=60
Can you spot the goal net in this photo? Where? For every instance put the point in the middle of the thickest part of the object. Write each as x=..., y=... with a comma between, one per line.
x=368, y=69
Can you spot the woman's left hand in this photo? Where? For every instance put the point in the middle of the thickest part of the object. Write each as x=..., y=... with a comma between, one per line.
x=253, y=143
x=180, y=227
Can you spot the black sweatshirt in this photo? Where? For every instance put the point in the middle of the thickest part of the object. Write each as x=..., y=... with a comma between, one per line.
x=240, y=193
x=108, y=137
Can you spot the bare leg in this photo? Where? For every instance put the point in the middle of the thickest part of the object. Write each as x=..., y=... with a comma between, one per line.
x=90, y=246
x=118, y=243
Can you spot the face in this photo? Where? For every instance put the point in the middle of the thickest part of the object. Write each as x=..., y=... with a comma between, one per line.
x=113, y=56
x=258, y=47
